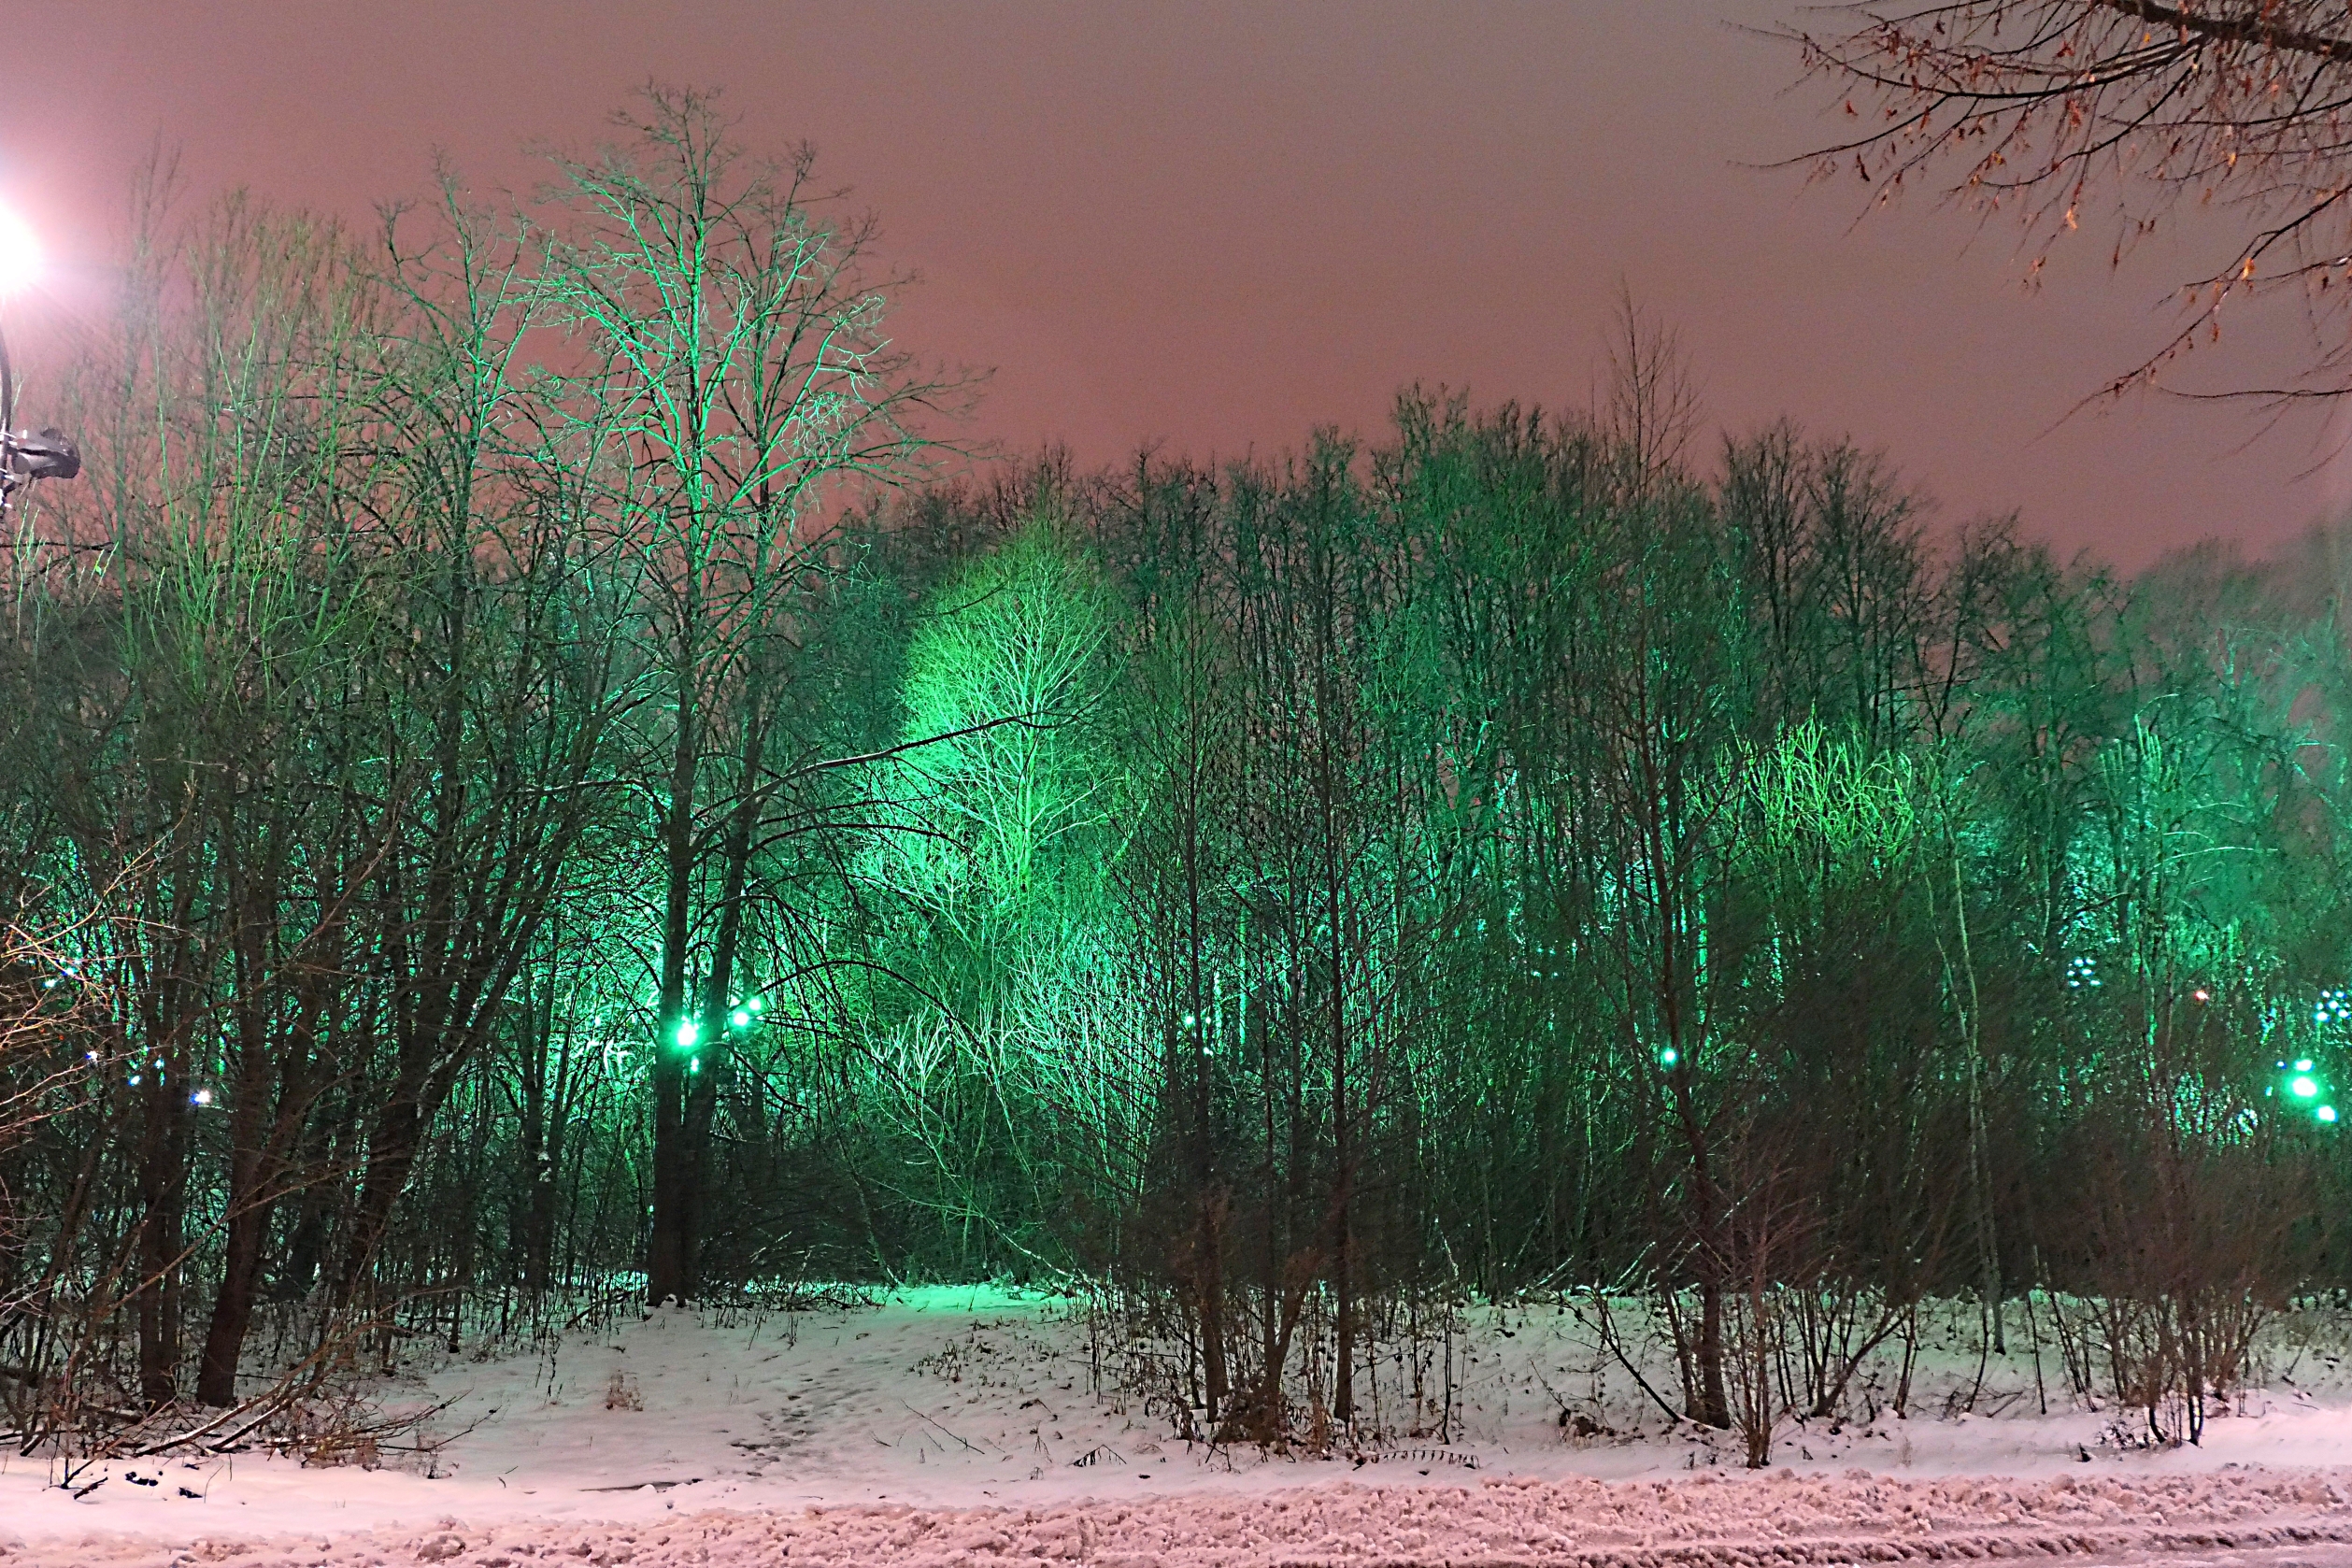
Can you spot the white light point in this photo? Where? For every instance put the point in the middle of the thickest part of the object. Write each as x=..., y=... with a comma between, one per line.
x=19, y=254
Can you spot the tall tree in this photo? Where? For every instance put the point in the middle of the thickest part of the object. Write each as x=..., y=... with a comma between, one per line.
x=736, y=327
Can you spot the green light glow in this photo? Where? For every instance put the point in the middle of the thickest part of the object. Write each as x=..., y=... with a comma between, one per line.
x=1668, y=1057
x=2325, y=1113
x=2304, y=1087
x=2305, y=1065
x=688, y=1032
x=740, y=1019
x=754, y=1003
x=1024, y=630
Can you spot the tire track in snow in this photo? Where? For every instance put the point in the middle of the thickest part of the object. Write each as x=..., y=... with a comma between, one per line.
x=2243, y=1520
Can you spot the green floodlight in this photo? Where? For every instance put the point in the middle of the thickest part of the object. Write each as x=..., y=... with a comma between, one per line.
x=740, y=1019
x=2302, y=1084
x=688, y=1032
x=1668, y=1057
x=755, y=1003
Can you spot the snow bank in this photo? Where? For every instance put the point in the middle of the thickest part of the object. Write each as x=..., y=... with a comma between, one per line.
x=1749, y=1521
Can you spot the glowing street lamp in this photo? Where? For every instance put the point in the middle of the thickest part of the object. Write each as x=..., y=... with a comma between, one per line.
x=25, y=455
x=19, y=254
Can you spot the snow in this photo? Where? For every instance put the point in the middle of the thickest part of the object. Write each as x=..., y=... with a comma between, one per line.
x=961, y=1425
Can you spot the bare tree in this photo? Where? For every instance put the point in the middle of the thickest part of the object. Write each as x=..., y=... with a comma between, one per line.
x=2118, y=112
x=736, y=328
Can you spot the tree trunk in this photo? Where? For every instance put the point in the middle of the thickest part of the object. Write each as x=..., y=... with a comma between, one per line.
x=1979, y=1159
x=251, y=1167
x=544, y=1086
x=162, y=1163
x=669, y=1268
x=1343, y=1259
x=233, y=1305
x=391, y=1150
x=1714, y=1405
x=1212, y=1306
x=543, y=1150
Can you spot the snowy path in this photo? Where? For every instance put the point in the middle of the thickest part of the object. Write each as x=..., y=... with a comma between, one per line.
x=2255, y=1520
x=962, y=1427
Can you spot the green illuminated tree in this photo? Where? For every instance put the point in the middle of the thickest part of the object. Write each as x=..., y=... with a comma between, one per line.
x=508, y=686
x=1005, y=757
x=245, y=632
x=731, y=327
x=1184, y=886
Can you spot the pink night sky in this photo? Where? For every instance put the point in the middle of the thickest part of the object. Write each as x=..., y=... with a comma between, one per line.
x=1214, y=226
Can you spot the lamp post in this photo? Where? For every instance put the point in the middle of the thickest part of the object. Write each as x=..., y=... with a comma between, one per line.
x=25, y=455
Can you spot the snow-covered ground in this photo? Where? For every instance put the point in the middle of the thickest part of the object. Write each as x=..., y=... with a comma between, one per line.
x=961, y=1426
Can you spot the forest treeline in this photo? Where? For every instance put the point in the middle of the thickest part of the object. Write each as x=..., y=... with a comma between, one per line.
x=519, y=783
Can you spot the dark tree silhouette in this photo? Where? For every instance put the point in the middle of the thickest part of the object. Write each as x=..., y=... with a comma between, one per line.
x=2114, y=114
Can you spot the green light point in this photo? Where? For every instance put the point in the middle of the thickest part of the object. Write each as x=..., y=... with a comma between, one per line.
x=754, y=1003
x=2304, y=1087
x=740, y=1019
x=687, y=1035
x=2325, y=1113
